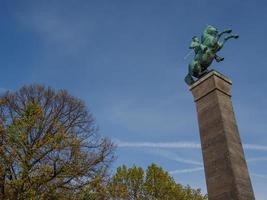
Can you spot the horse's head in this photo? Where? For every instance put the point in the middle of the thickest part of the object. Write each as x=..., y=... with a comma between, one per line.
x=210, y=30
x=210, y=37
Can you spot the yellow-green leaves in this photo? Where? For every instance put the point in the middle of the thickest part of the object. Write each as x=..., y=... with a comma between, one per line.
x=154, y=184
x=49, y=145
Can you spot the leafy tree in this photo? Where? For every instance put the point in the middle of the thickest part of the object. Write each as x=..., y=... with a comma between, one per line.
x=127, y=184
x=159, y=185
x=96, y=190
x=155, y=184
x=118, y=187
x=49, y=146
x=136, y=182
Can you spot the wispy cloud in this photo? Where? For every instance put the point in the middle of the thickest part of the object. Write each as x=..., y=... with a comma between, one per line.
x=258, y=159
x=177, y=145
x=189, y=170
x=183, y=171
x=159, y=148
x=68, y=33
x=169, y=145
x=259, y=175
x=255, y=147
x=173, y=156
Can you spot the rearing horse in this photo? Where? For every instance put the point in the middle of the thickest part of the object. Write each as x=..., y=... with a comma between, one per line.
x=205, y=52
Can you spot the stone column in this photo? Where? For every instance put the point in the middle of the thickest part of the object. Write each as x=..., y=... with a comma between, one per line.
x=226, y=171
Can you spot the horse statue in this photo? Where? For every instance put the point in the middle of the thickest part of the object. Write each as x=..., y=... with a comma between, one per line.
x=206, y=51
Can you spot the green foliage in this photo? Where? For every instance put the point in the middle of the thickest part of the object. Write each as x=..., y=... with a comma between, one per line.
x=96, y=190
x=159, y=185
x=155, y=184
x=127, y=183
x=49, y=147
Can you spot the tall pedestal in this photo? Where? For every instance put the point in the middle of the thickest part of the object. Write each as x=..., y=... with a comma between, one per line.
x=225, y=166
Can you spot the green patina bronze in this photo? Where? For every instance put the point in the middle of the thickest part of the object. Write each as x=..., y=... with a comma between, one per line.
x=205, y=51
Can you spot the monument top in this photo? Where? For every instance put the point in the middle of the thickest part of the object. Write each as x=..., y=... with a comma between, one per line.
x=210, y=82
x=208, y=75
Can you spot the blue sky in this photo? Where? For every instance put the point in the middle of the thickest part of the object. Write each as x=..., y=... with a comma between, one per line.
x=125, y=59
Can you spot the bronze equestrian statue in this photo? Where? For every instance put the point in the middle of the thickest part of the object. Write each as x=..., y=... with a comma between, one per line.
x=205, y=52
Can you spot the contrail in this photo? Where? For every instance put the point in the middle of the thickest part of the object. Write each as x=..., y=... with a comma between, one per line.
x=170, y=145
x=255, y=147
x=257, y=159
x=183, y=171
x=160, y=146
x=173, y=156
x=177, y=145
x=259, y=175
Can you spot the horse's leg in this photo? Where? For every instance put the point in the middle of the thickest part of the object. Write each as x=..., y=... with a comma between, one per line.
x=224, y=32
x=221, y=44
x=229, y=37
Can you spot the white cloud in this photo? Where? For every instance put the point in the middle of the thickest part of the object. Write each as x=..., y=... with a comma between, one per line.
x=70, y=34
x=177, y=145
x=255, y=147
x=257, y=159
x=173, y=156
x=259, y=175
x=169, y=145
x=188, y=170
